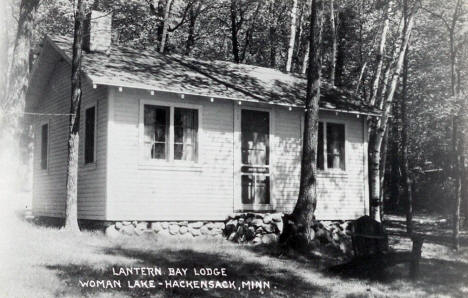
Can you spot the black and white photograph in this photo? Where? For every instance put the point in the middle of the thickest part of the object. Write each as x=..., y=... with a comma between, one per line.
x=233, y=148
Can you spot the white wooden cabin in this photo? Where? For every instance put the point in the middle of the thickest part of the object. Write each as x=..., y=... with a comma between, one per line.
x=171, y=138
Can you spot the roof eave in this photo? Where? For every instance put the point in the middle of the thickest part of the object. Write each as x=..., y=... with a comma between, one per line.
x=98, y=81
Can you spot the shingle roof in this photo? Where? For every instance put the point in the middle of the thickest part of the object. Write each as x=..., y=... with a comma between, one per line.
x=128, y=67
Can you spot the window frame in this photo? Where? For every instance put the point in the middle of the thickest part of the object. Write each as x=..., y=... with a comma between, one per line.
x=41, y=124
x=325, y=153
x=86, y=107
x=169, y=161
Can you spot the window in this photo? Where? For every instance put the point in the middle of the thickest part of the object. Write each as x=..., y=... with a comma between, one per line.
x=156, y=121
x=90, y=135
x=332, y=137
x=170, y=133
x=255, y=137
x=44, y=145
x=185, y=134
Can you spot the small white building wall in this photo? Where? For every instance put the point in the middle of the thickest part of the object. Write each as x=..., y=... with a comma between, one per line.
x=143, y=191
x=49, y=186
x=140, y=190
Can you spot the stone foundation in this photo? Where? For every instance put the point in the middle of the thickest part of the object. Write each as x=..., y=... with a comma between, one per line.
x=254, y=228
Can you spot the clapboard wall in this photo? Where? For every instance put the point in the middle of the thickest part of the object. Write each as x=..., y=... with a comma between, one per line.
x=141, y=190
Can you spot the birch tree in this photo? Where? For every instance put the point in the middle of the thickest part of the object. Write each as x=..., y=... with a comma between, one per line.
x=379, y=127
x=292, y=36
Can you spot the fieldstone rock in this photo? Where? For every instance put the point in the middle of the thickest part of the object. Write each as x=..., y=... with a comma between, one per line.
x=139, y=231
x=112, y=232
x=209, y=225
x=156, y=226
x=268, y=228
x=195, y=225
x=269, y=238
x=204, y=230
x=219, y=225
x=118, y=225
x=126, y=223
x=335, y=236
x=249, y=233
x=142, y=225
x=240, y=221
x=312, y=234
x=134, y=223
x=232, y=236
x=183, y=230
x=164, y=225
x=257, y=222
x=195, y=232
x=183, y=223
x=257, y=240
x=164, y=233
x=216, y=231
x=248, y=220
x=260, y=231
x=279, y=226
x=173, y=229
x=267, y=219
x=128, y=230
x=277, y=217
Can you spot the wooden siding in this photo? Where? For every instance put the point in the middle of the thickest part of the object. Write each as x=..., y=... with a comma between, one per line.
x=140, y=190
x=92, y=177
x=144, y=191
x=49, y=186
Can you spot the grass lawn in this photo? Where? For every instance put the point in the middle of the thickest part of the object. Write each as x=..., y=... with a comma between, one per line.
x=48, y=262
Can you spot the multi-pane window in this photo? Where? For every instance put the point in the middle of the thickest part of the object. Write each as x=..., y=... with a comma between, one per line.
x=185, y=134
x=156, y=135
x=170, y=133
x=44, y=145
x=90, y=134
x=331, y=135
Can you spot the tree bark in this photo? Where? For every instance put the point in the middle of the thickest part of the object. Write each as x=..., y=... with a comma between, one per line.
x=167, y=12
x=18, y=74
x=234, y=30
x=292, y=36
x=193, y=15
x=406, y=176
x=71, y=212
x=303, y=214
x=380, y=55
x=334, y=43
x=458, y=183
x=379, y=128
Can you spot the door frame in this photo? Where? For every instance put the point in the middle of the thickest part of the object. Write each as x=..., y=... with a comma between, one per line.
x=237, y=191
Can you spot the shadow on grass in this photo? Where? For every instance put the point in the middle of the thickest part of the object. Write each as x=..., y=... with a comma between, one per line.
x=282, y=282
x=432, y=232
x=436, y=276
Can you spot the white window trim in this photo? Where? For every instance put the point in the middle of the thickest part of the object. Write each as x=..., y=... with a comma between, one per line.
x=41, y=124
x=86, y=107
x=325, y=169
x=169, y=163
x=241, y=207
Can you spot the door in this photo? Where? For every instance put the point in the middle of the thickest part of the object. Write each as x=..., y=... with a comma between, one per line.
x=255, y=159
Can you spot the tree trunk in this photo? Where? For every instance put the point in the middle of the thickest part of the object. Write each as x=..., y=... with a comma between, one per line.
x=334, y=43
x=234, y=30
x=167, y=12
x=303, y=214
x=379, y=128
x=20, y=63
x=380, y=55
x=193, y=14
x=406, y=176
x=71, y=213
x=458, y=183
x=292, y=36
